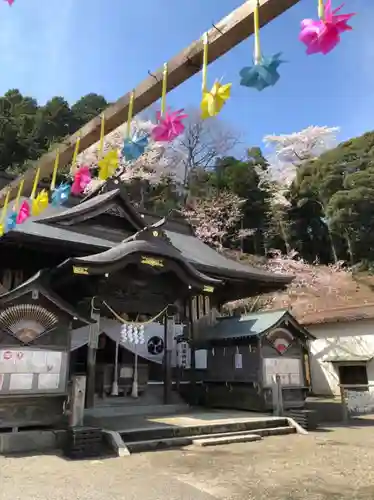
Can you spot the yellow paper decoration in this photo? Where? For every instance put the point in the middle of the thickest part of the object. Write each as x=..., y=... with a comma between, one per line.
x=40, y=203
x=108, y=165
x=55, y=168
x=213, y=101
x=18, y=197
x=102, y=135
x=35, y=184
x=257, y=52
x=321, y=10
x=75, y=154
x=164, y=89
x=3, y=213
x=129, y=115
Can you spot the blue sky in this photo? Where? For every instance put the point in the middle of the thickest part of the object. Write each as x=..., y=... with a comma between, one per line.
x=72, y=47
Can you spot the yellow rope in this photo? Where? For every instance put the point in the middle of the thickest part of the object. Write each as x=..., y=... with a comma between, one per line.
x=123, y=321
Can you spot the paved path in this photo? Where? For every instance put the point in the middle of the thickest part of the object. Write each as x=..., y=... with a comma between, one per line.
x=333, y=465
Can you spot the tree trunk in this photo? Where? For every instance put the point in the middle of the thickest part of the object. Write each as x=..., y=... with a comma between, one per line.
x=350, y=248
x=333, y=249
x=284, y=237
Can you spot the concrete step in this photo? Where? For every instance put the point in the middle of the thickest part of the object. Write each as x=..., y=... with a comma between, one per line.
x=228, y=439
x=207, y=439
x=134, y=409
x=275, y=431
x=161, y=432
x=158, y=444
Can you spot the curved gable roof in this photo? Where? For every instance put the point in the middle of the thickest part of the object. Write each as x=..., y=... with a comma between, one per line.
x=92, y=207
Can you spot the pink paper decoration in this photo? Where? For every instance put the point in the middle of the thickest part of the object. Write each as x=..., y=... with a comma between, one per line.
x=24, y=212
x=82, y=178
x=323, y=36
x=10, y=2
x=169, y=126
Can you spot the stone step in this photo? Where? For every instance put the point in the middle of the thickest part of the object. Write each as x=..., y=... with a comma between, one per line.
x=169, y=431
x=210, y=439
x=228, y=439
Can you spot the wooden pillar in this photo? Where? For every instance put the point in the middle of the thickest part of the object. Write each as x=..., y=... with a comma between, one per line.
x=191, y=314
x=91, y=368
x=91, y=356
x=168, y=346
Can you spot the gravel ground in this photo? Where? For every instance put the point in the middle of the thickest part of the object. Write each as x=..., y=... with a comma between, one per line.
x=327, y=465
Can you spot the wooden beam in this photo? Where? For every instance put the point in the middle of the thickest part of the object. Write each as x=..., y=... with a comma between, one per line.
x=225, y=35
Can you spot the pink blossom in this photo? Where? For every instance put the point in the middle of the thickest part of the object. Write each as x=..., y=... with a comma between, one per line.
x=215, y=217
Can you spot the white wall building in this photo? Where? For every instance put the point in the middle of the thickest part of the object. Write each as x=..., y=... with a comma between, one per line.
x=343, y=352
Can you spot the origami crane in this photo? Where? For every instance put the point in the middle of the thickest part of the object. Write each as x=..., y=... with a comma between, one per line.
x=168, y=126
x=262, y=74
x=82, y=178
x=24, y=212
x=134, y=147
x=213, y=101
x=40, y=203
x=60, y=194
x=323, y=36
x=10, y=2
x=108, y=165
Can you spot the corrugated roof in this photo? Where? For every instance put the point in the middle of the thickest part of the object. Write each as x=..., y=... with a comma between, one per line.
x=245, y=326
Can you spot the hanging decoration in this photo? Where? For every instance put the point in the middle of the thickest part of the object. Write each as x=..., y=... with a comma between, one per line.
x=39, y=202
x=12, y=219
x=75, y=154
x=323, y=35
x=10, y=2
x=108, y=165
x=24, y=212
x=3, y=214
x=264, y=72
x=61, y=193
x=137, y=323
x=212, y=101
x=133, y=145
x=169, y=124
x=82, y=175
x=82, y=178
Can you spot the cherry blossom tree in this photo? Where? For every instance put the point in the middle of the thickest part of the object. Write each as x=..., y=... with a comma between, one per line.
x=296, y=148
x=315, y=288
x=215, y=218
x=277, y=187
x=159, y=161
x=288, y=153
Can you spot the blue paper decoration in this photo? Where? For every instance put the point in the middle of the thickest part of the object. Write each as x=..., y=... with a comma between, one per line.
x=134, y=147
x=11, y=221
x=61, y=194
x=263, y=74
